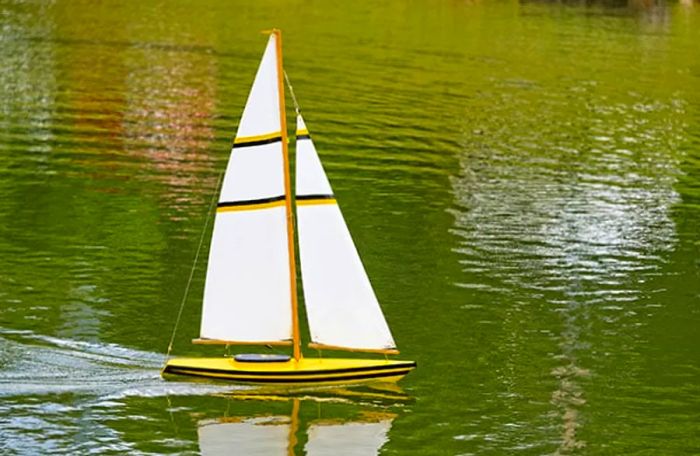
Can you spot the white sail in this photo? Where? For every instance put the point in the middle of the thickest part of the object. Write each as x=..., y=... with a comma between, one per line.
x=350, y=439
x=247, y=292
x=268, y=436
x=341, y=306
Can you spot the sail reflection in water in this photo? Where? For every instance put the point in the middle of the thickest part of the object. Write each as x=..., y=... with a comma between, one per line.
x=356, y=438
x=263, y=435
x=320, y=429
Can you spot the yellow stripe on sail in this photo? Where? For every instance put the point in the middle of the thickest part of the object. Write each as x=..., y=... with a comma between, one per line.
x=250, y=139
x=302, y=132
x=250, y=207
x=315, y=202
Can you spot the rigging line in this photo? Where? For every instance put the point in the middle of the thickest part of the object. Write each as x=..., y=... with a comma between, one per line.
x=194, y=266
x=291, y=92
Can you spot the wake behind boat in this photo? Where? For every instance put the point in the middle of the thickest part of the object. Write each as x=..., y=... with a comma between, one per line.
x=250, y=295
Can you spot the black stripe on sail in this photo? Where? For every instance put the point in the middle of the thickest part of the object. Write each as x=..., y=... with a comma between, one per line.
x=250, y=202
x=314, y=197
x=258, y=142
x=307, y=136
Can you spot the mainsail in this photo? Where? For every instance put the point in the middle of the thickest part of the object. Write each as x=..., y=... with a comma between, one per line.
x=247, y=291
x=341, y=306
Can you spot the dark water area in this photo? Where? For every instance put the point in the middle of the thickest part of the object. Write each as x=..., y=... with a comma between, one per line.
x=522, y=180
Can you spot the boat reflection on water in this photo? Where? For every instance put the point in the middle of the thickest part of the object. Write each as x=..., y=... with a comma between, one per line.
x=334, y=421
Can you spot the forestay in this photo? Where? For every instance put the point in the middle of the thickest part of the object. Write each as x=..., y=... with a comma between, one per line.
x=247, y=290
x=341, y=306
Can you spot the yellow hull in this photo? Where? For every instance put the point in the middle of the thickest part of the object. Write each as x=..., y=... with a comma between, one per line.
x=305, y=371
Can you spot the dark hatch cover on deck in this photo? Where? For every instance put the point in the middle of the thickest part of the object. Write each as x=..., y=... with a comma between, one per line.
x=259, y=358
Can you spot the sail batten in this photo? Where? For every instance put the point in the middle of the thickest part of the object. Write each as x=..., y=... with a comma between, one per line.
x=342, y=309
x=247, y=290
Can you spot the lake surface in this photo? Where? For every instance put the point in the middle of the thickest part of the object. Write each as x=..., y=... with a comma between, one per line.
x=522, y=181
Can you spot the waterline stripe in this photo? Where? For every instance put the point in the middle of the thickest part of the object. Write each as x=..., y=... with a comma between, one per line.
x=243, y=379
x=299, y=377
x=402, y=365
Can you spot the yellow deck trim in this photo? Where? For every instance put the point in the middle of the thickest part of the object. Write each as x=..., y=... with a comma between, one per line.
x=249, y=139
x=316, y=202
x=250, y=207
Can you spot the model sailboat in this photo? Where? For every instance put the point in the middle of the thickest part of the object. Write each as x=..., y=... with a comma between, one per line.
x=250, y=295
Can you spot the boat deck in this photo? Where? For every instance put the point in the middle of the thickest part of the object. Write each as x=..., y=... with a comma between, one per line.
x=304, y=371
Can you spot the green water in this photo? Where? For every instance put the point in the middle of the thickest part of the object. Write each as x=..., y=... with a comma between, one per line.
x=522, y=181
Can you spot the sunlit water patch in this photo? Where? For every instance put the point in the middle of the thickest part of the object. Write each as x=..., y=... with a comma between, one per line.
x=569, y=225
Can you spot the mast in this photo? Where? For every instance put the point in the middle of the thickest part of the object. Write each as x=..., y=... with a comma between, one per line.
x=296, y=342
